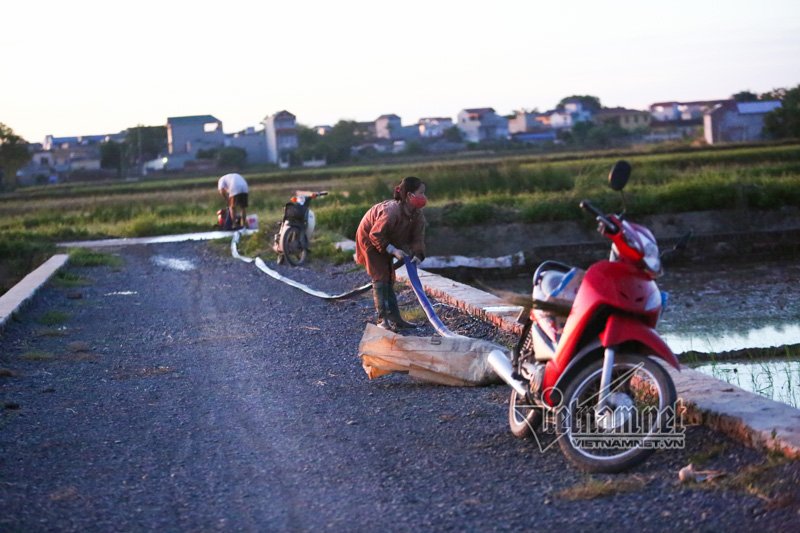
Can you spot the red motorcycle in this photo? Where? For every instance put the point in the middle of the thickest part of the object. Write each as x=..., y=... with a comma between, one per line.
x=586, y=362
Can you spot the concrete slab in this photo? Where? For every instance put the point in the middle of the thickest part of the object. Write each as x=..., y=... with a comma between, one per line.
x=747, y=417
x=755, y=420
x=12, y=300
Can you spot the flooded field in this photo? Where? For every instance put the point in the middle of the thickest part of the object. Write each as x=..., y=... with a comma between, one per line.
x=777, y=379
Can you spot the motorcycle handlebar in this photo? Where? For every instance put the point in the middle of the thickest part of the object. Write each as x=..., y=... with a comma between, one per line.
x=586, y=205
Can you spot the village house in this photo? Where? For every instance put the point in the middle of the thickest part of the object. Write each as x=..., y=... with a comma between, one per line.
x=253, y=142
x=675, y=111
x=389, y=128
x=386, y=126
x=281, y=134
x=482, y=124
x=737, y=121
x=190, y=134
x=434, y=127
x=365, y=130
x=572, y=113
x=58, y=157
x=627, y=119
x=527, y=121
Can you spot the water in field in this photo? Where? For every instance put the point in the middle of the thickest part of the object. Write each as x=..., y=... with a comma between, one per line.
x=776, y=379
x=717, y=340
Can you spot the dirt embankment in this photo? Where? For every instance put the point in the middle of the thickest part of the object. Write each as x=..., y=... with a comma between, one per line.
x=724, y=235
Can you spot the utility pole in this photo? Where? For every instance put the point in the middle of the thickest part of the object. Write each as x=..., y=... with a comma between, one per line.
x=139, y=142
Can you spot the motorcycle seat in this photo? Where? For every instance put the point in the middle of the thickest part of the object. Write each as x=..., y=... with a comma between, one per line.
x=556, y=290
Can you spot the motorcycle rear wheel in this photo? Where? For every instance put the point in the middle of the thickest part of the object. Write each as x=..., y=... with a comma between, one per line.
x=650, y=414
x=523, y=417
x=294, y=246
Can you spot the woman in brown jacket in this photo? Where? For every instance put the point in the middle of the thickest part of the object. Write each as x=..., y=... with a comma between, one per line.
x=391, y=229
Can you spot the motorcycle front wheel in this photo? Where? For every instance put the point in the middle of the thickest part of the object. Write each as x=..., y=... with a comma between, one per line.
x=294, y=246
x=639, y=415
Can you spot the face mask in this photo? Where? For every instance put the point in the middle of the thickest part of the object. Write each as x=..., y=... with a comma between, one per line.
x=417, y=201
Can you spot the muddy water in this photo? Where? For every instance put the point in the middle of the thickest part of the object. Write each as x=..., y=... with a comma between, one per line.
x=718, y=308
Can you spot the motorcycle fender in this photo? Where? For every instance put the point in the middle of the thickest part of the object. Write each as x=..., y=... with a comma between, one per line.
x=587, y=354
x=620, y=329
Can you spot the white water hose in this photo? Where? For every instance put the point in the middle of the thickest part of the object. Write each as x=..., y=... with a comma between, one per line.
x=411, y=269
x=296, y=284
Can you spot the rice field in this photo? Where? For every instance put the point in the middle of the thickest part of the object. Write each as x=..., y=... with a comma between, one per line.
x=466, y=192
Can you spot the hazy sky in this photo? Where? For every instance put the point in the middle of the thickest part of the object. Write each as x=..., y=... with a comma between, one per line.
x=86, y=67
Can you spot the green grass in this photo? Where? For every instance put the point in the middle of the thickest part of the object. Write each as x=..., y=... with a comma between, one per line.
x=324, y=248
x=53, y=318
x=83, y=257
x=66, y=280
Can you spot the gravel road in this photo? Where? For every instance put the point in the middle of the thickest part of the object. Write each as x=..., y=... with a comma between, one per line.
x=187, y=391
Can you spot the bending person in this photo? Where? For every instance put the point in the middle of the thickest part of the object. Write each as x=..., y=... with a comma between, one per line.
x=233, y=188
x=391, y=229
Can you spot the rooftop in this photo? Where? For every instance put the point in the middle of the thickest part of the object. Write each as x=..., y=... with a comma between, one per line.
x=765, y=106
x=193, y=119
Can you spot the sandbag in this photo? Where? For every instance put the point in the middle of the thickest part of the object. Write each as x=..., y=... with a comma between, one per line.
x=456, y=361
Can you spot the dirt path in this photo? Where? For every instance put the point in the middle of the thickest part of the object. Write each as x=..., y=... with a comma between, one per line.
x=214, y=398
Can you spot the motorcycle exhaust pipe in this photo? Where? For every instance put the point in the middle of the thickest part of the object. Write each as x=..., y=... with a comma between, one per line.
x=502, y=367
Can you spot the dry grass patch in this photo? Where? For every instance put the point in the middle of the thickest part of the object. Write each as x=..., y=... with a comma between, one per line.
x=594, y=488
x=768, y=482
x=702, y=457
x=78, y=346
x=38, y=355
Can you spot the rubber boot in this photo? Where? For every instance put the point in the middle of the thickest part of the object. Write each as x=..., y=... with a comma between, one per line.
x=381, y=300
x=394, y=311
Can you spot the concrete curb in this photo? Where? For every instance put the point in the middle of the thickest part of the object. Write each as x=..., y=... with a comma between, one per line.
x=752, y=419
x=12, y=300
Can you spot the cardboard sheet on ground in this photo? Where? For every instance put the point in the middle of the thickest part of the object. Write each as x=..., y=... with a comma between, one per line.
x=457, y=361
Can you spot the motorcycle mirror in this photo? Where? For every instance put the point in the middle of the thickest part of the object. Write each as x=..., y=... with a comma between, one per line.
x=618, y=177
